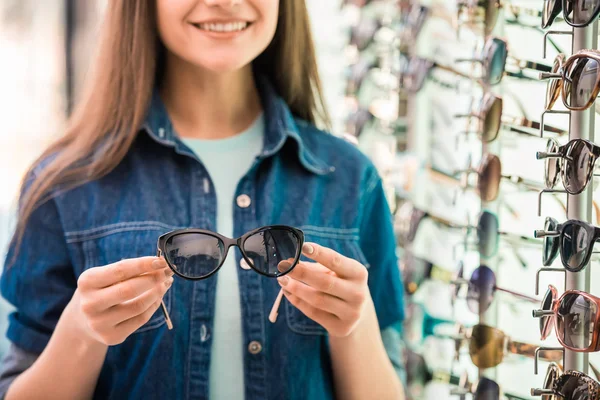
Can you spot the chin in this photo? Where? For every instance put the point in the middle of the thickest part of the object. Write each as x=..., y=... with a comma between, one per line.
x=221, y=65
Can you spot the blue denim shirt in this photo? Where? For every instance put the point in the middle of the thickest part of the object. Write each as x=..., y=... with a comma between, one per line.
x=303, y=177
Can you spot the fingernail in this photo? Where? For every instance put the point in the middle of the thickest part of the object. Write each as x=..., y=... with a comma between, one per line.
x=169, y=272
x=158, y=264
x=284, y=266
x=308, y=249
x=283, y=281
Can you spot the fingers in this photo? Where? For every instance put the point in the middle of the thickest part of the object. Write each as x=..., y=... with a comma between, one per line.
x=130, y=289
x=317, y=299
x=343, y=266
x=131, y=308
x=319, y=316
x=100, y=277
x=320, y=278
x=127, y=327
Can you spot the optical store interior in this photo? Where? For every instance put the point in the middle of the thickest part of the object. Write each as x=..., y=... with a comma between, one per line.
x=480, y=118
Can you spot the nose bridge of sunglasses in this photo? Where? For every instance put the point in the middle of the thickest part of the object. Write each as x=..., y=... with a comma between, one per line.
x=539, y=271
x=540, y=197
x=536, y=356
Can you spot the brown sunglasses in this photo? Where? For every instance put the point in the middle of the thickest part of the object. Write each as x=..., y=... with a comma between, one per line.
x=578, y=79
x=575, y=317
x=488, y=346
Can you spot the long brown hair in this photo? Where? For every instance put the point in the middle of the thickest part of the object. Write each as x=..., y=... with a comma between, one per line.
x=115, y=100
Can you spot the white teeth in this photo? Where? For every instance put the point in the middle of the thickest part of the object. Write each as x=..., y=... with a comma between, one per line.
x=229, y=27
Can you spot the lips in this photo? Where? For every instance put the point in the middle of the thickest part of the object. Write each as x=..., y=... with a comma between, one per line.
x=223, y=27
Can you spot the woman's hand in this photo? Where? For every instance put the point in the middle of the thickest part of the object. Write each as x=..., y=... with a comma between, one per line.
x=113, y=301
x=332, y=292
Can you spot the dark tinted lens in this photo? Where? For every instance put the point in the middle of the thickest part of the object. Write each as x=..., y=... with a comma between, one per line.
x=574, y=387
x=487, y=389
x=486, y=346
x=552, y=164
x=578, y=167
x=580, y=12
x=496, y=59
x=414, y=271
x=481, y=289
x=194, y=255
x=575, y=245
x=488, y=182
x=487, y=231
x=579, y=83
x=575, y=321
x=544, y=321
x=268, y=248
x=550, y=250
x=491, y=122
x=550, y=11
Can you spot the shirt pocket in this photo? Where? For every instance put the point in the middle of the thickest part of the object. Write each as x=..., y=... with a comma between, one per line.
x=344, y=242
x=111, y=243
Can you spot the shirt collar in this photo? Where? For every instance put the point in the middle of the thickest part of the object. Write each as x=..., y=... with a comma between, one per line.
x=280, y=126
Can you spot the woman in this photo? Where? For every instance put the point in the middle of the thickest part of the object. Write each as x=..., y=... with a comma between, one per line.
x=200, y=114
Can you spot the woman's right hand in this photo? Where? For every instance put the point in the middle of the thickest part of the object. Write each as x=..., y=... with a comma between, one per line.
x=113, y=301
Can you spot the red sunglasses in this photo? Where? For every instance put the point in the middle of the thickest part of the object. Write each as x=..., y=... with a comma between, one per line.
x=575, y=317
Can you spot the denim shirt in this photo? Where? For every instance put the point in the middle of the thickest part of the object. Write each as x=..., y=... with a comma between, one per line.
x=304, y=177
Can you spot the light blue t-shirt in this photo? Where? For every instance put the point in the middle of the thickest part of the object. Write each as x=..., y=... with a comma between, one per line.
x=227, y=161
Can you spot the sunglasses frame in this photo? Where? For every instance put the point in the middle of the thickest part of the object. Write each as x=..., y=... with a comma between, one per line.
x=560, y=6
x=554, y=88
x=561, y=75
x=593, y=386
x=563, y=153
x=228, y=243
x=552, y=319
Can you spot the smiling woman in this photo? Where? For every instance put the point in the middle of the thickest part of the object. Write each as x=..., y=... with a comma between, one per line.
x=201, y=114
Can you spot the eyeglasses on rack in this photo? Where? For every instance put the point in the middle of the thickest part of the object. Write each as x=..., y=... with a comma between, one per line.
x=571, y=385
x=491, y=118
x=577, y=13
x=494, y=58
x=575, y=317
x=579, y=78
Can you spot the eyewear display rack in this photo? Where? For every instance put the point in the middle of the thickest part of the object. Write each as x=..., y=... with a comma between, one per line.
x=580, y=206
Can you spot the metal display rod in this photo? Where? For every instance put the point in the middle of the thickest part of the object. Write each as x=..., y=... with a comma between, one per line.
x=580, y=206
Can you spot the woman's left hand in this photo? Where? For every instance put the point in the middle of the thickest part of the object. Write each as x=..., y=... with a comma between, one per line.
x=332, y=292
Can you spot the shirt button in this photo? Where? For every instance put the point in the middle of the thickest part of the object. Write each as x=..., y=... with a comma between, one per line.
x=243, y=201
x=254, y=347
x=161, y=132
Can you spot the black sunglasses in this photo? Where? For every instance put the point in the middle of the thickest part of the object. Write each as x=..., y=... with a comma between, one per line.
x=577, y=13
x=494, y=57
x=575, y=161
x=575, y=242
x=198, y=254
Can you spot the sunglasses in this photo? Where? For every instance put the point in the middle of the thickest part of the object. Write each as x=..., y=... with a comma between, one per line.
x=491, y=119
x=579, y=80
x=571, y=385
x=196, y=254
x=416, y=270
x=574, y=240
x=575, y=161
x=575, y=318
x=488, y=346
x=416, y=70
x=494, y=57
x=577, y=13
x=482, y=287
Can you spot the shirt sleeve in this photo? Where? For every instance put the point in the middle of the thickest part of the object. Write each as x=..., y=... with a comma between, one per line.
x=16, y=361
x=38, y=279
x=378, y=244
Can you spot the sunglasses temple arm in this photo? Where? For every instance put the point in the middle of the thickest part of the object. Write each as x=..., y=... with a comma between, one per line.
x=275, y=309
x=519, y=295
x=163, y=307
